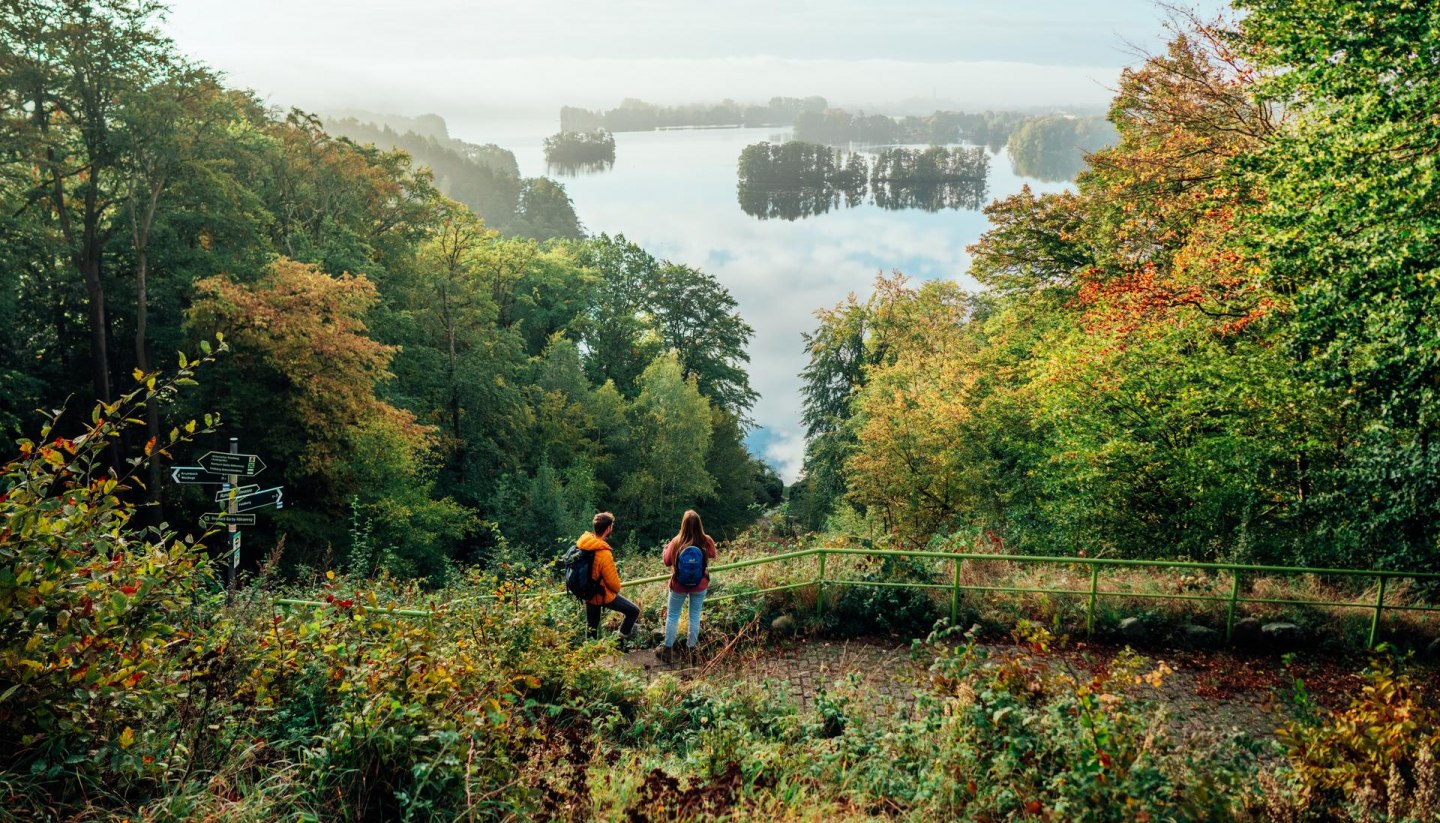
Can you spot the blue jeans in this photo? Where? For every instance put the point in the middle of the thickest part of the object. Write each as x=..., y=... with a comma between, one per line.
x=672, y=617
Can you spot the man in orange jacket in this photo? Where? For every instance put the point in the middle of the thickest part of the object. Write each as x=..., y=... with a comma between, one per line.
x=602, y=569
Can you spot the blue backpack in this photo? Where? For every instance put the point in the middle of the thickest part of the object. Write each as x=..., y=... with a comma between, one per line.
x=690, y=567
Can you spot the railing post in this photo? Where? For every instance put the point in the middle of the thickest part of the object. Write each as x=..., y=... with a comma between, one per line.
x=1090, y=610
x=955, y=596
x=1379, y=606
x=820, y=591
x=1234, y=597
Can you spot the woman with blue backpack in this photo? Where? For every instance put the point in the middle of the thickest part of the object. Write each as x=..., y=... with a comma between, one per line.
x=689, y=553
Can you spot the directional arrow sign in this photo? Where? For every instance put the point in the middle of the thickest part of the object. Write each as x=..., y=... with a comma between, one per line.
x=245, y=465
x=194, y=474
x=261, y=499
x=209, y=519
x=224, y=494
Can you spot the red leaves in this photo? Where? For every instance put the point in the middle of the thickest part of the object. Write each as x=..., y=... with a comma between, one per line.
x=129, y=589
x=1123, y=304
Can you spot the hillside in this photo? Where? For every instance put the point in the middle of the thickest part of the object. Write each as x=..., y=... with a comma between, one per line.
x=484, y=177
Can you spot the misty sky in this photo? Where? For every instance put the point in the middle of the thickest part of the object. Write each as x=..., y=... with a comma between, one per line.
x=460, y=57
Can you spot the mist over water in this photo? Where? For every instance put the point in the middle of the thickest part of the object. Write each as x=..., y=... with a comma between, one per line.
x=674, y=193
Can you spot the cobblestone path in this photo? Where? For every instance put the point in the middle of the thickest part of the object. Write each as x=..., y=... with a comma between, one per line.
x=885, y=676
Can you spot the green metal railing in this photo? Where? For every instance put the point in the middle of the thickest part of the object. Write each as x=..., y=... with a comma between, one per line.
x=1092, y=594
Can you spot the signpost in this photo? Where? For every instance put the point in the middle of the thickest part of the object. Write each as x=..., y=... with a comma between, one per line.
x=259, y=500
x=209, y=519
x=225, y=470
x=194, y=474
x=233, y=463
x=225, y=494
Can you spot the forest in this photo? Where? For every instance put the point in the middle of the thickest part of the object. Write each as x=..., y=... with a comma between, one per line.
x=451, y=388
x=485, y=178
x=1054, y=148
x=1052, y=135
x=637, y=115
x=1218, y=346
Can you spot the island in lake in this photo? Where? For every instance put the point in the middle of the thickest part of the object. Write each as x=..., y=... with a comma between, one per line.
x=571, y=152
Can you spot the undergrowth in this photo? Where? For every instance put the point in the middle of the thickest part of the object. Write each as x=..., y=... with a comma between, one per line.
x=134, y=688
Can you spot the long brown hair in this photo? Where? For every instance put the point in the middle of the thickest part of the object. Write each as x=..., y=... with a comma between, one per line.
x=692, y=531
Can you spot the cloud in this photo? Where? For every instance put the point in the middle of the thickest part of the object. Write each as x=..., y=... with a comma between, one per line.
x=786, y=452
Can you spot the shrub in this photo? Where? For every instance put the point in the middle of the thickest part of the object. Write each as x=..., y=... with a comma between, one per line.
x=1375, y=759
x=97, y=634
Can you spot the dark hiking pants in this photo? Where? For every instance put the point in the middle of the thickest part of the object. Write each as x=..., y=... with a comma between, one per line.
x=619, y=604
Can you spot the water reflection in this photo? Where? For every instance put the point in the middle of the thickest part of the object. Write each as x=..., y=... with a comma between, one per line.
x=569, y=169
x=796, y=179
x=961, y=194
x=1050, y=166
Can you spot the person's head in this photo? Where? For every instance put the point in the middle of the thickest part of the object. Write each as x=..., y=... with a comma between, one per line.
x=602, y=524
x=692, y=531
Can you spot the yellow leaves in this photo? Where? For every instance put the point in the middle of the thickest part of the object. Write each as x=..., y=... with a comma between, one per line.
x=1156, y=677
x=127, y=738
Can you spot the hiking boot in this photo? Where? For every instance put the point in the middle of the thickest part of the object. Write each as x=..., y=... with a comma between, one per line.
x=665, y=655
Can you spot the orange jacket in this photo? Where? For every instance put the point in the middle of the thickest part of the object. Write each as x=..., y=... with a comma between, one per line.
x=602, y=568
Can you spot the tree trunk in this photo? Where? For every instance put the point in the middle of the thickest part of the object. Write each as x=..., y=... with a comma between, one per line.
x=99, y=355
x=141, y=235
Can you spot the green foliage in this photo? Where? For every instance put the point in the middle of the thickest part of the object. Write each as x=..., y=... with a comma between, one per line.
x=1349, y=230
x=547, y=511
x=1216, y=347
x=671, y=431
x=545, y=211
x=901, y=611
x=97, y=615
x=995, y=736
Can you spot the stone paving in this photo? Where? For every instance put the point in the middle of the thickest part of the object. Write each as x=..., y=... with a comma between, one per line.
x=884, y=675
x=881, y=672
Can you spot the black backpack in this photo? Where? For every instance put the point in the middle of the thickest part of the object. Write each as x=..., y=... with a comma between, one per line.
x=579, y=567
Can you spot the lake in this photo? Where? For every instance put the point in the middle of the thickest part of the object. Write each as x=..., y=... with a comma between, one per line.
x=674, y=193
